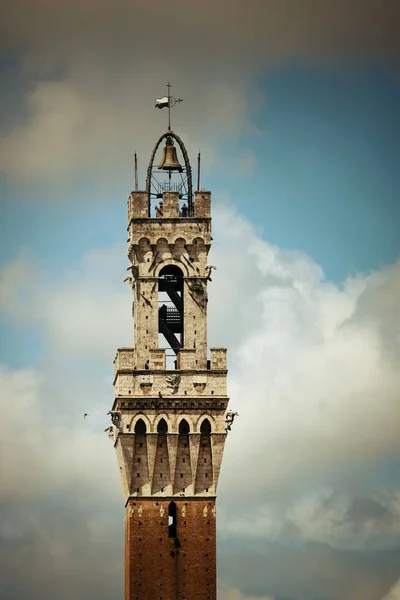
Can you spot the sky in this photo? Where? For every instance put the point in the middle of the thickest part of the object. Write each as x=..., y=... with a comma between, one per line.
x=295, y=108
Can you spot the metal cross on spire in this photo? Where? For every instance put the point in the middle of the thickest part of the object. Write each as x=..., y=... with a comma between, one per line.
x=167, y=101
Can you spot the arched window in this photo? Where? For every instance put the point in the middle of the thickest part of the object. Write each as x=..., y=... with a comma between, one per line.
x=184, y=427
x=162, y=427
x=170, y=306
x=205, y=428
x=172, y=520
x=140, y=427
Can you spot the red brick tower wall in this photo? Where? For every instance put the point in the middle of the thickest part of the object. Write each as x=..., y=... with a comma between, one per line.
x=159, y=567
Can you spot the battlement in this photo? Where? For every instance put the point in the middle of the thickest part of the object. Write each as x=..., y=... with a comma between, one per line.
x=169, y=207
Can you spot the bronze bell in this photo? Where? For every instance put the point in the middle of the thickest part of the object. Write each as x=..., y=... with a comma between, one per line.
x=169, y=161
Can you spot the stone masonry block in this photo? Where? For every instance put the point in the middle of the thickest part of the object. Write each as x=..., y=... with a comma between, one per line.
x=138, y=205
x=171, y=205
x=202, y=204
x=124, y=359
x=186, y=358
x=218, y=358
x=157, y=359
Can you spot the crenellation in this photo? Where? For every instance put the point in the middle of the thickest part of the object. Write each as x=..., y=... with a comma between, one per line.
x=138, y=205
x=202, y=203
x=124, y=360
x=218, y=358
x=157, y=359
x=186, y=358
x=170, y=205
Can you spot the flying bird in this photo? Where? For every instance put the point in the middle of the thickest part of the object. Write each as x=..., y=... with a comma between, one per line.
x=85, y=415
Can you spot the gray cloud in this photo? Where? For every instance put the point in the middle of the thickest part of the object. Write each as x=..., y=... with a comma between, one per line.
x=313, y=570
x=92, y=72
x=394, y=592
x=272, y=29
x=367, y=510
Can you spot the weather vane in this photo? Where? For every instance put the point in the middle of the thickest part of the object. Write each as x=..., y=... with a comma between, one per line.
x=167, y=101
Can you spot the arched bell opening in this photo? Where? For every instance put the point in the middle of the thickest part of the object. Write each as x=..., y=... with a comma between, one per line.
x=170, y=307
x=171, y=173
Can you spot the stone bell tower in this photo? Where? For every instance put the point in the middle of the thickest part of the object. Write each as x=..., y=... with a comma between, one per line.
x=169, y=420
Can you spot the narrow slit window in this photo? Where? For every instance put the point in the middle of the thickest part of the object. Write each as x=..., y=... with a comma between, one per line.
x=172, y=520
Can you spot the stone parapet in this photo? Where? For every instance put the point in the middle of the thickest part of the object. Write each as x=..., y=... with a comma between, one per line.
x=128, y=382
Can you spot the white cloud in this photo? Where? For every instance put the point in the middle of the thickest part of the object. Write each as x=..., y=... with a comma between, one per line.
x=313, y=376
x=394, y=592
x=226, y=593
x=47, y=448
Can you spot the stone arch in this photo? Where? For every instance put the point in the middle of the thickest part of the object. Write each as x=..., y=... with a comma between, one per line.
x=161, y=241
x=197, y=248
x=171, y=261
x=144, y=243
x=136, y=418
x=162, y=249
x=140, y=427
x=205, y=427
x=162, y=427
x=204, y=417
x=198, y=241
x=144, y=251
x=179, y=248
x=180, y=241
x=162, y=416
x=184, y=426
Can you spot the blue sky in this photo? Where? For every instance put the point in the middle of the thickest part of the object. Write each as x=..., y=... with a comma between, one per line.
x=297, y=116
x=324, y=181
x=325, y=177
x=327, y=166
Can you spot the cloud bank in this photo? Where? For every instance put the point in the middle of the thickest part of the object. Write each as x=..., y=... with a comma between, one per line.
x=313, y=375
x=88, y=71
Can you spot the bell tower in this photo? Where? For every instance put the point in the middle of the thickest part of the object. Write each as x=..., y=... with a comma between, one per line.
x=169, y=420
